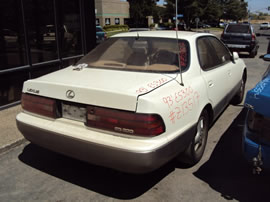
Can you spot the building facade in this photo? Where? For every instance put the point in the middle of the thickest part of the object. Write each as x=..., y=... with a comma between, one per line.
x=41, y=36
x=111, y=12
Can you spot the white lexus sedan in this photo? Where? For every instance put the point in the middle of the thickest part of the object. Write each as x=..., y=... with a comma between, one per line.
x=137, y=101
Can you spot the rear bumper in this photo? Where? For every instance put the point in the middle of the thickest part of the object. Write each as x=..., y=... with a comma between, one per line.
x=264, y=27
x=118, y=158
x=241, y=46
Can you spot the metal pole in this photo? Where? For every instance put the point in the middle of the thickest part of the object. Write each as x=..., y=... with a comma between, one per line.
x=176, y=28
x=176, y=14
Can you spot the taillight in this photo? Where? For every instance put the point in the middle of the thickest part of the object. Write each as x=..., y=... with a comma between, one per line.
x=222, y=35
x=253, y=37
x=39, y=105
x=125, y=122
x=105, y=36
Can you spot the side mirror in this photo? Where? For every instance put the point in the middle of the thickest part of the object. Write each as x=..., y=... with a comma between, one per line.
x=266, y=57
x=235, y=56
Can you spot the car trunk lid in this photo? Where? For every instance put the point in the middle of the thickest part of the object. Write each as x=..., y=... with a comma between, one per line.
x=99, y=87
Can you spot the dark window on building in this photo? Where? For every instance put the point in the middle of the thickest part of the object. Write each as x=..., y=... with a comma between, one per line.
x=42, y=70
x=11, y=86
x=40, y=23
x=70, y=28
x=117, y=21
x=12, y=40
x=107, y=21
x=41, y=36
x=97, y=21
x=126, y=21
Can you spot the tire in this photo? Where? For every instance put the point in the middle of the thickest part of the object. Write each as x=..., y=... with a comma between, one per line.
x=238, y=98
x=252, y=54
x=195, y=150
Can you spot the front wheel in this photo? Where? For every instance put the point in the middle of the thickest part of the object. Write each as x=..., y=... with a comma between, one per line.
x=195, y=150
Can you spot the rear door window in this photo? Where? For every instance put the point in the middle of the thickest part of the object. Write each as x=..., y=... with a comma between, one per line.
x=223, y=55
x=207, y=56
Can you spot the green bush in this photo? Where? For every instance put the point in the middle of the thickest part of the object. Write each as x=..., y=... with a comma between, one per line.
x=115, y=27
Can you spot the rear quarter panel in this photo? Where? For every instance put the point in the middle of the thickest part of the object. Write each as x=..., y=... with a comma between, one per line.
x=179, y=106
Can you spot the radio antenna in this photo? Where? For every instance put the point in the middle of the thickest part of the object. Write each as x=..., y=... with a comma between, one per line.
x=177, y=39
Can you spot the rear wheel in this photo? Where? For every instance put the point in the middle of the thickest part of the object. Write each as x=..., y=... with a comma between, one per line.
x=195, y=150
x=253, y=53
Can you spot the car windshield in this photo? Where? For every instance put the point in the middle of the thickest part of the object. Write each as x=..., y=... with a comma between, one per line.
x=238, y=29
x=139, y=54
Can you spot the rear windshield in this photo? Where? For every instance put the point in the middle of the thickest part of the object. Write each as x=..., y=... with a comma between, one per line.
x=139, y=54
x=238, y=29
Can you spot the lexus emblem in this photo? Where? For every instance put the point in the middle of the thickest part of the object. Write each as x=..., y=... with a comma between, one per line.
x=70, y=94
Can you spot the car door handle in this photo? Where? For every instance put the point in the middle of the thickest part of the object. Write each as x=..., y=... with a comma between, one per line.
x=210, y=83
x=229, y=73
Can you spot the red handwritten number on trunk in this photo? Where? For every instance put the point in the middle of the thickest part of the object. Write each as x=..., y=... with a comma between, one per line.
x=168, y=100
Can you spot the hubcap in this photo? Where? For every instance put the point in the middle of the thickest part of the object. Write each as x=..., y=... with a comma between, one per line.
x=199, y=135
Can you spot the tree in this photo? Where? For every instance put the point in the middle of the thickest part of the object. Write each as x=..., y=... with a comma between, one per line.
x=139, y=9
x=191, y=9
x=213, y=11
x=234, y=10
x=207, y=10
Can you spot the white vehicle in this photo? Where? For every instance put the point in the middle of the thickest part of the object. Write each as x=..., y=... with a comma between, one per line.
x=128, y=106
x=265, y=25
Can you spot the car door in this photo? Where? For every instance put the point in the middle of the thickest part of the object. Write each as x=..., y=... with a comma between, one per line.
x=216, y=71
x=224, y=57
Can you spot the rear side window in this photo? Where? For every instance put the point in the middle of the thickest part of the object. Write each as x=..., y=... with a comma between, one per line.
x=238, y=28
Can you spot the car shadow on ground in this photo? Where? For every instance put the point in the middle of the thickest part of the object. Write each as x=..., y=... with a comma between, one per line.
x=228, y=173
x=98, y=179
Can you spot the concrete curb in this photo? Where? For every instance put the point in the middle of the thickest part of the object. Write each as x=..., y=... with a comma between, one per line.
x=12, y=145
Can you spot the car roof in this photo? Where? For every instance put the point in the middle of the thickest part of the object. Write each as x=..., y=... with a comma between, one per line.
x=163, y=34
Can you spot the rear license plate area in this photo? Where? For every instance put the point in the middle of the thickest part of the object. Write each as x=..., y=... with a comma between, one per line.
x=236, y=46
x=72, y=111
